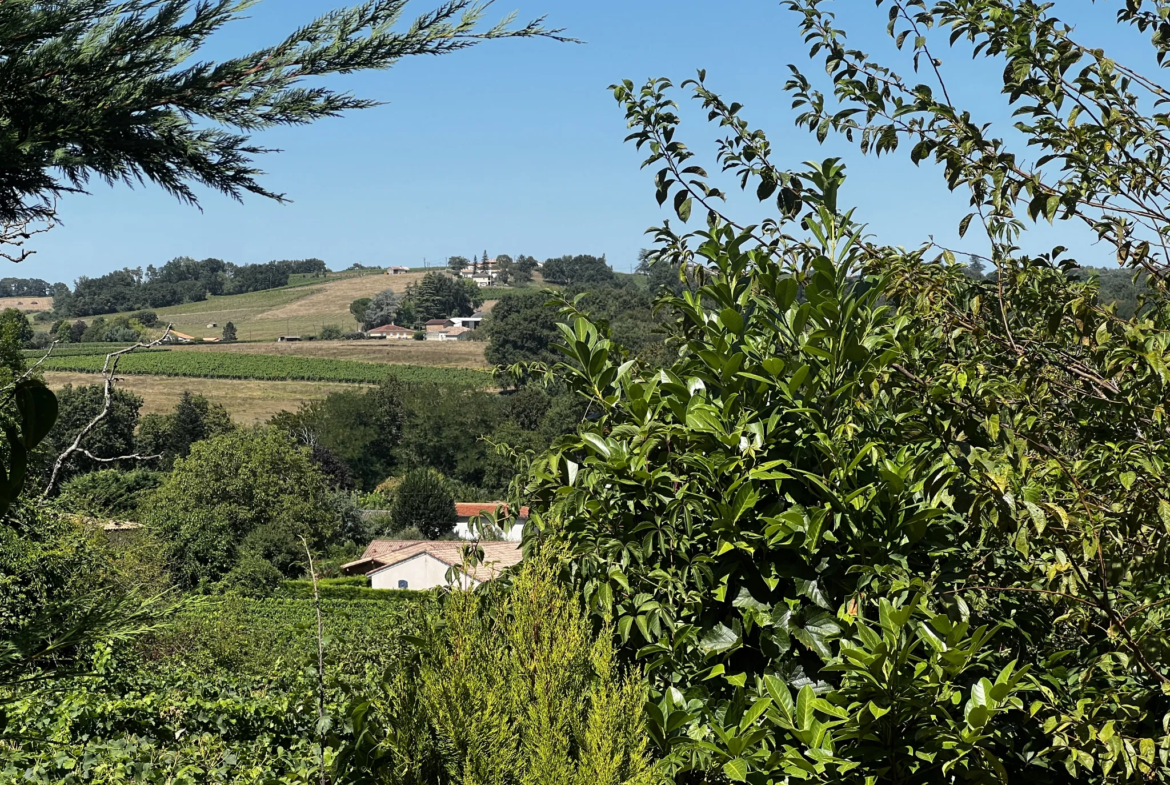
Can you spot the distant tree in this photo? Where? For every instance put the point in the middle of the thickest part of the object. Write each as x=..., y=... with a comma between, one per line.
x=63, y=332
x=974, y=268
x=171, y=435
x=358, y=309
x=505, y=269
x=457, y=264
x=383, y=309
x=229, y=333
x=577, y=270
x=77, y=331
x=439, y=296
x=361, y=429
x=521, y=328
x=242, y=493
x=424, y=502
x=330, y=332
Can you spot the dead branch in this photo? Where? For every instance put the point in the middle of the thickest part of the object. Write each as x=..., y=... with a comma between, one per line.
x=109, y=368
x=16, y=233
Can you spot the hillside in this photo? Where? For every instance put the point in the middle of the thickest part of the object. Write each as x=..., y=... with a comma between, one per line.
x=298, y=309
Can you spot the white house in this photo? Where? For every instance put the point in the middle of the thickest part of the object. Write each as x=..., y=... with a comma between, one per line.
x=424, y=564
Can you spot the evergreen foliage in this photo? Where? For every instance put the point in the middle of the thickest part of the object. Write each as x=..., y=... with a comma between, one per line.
x=171, y=435
x=109, y=89
x=513, y=687
x=423, y=502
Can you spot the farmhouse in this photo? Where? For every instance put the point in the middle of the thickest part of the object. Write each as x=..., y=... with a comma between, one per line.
x=397, y=270
x=438, y=325
x=424, y=564
x=450, y=334
x=392, y=332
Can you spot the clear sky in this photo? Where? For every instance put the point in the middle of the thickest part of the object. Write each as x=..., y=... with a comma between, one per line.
x=516, y=147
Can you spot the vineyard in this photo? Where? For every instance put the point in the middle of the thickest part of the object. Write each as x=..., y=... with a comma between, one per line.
x=225, y=694
x=82, y=350
x=226, y=365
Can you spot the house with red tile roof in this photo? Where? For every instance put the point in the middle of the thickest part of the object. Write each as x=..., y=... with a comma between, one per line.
x=429, y=564
x=391, y=331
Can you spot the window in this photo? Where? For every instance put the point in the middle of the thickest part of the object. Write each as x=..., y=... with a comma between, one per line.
x=403, y=585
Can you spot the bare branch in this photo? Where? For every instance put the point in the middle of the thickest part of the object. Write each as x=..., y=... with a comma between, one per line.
x=17, y=232
x=109, y=368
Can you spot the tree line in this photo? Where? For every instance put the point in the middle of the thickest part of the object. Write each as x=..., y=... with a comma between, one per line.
x=181, y=280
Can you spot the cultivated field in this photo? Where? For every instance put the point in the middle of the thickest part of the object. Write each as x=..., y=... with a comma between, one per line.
x=439, y=354
x=248, y=401
x=265, y=367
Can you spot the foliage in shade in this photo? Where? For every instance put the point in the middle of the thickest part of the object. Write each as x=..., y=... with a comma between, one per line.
x=113, y=437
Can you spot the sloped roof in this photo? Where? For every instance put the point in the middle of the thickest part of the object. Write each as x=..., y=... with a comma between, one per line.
x=498, y=556
x=440, y=321
x=390, y=328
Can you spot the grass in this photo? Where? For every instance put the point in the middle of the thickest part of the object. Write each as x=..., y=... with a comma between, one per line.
x=301, y=308
x=249, y=402
x=230, y=365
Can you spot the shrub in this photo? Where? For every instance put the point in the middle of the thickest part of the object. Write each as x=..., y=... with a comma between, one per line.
x=253, y=576
x=146, y=318
x=424, y=502
x=330, y=332
x=419, y=335
x=513, y=687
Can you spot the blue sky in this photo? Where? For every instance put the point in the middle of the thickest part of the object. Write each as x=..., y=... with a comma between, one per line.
x=516, y=147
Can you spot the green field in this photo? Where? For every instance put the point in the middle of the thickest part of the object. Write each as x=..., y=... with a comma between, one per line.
x=227, y=365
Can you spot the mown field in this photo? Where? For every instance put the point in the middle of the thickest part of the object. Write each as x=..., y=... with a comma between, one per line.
x=264, y=367
x=302, y=308
x=248, y=401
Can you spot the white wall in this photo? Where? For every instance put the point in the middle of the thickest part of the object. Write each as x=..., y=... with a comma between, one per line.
x=514, y=534
x=420, y=572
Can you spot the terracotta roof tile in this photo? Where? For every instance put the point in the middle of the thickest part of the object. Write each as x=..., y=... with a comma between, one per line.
x=498, y=556
x=468, y=509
